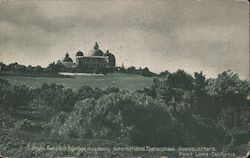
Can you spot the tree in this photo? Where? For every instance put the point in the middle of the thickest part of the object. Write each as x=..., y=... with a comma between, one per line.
x=229, y=104
x=2, y=66
x=56, y=96
x=131, y=69
x=13, y=96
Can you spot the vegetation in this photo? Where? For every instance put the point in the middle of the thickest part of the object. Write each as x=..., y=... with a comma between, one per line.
x=177, y=110
x=132, y=70
x=15, y=69
x=51, y=71
x=129, y=82
x=54, y=68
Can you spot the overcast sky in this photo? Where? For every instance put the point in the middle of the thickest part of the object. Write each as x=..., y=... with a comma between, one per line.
x=194, y=35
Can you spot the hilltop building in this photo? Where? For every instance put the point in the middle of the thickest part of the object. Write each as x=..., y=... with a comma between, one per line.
x=95, y=59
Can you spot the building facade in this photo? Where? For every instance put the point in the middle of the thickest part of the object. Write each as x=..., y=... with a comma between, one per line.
x=95, y=59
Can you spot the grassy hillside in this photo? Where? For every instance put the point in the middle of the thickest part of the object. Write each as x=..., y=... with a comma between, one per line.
x=123, y=81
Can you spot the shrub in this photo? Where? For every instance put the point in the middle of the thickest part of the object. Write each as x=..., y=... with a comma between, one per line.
x=27, y=125
x=130, y=117
x=56, y=96
x=13, y=96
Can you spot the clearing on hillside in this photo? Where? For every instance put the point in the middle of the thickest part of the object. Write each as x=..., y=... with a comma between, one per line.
x=123, y=81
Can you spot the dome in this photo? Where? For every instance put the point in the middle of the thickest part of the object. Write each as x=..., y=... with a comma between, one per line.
x=79, y=53
x=111, y=58
x=67, y=58
x=96, y=51
x=108, y=53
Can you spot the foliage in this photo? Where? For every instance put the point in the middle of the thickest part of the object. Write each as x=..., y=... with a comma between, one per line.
x=27, y=125
x=121, y=116
x=178, y=109
x=56, y=96
x=13, y=96
x=216, y=108
x=132, y=70
x=52, y=69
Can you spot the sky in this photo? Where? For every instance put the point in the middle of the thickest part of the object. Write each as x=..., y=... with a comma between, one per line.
x=193, y=35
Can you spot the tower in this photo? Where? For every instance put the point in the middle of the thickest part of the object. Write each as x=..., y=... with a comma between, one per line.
x=79, y=58
x=96, y=46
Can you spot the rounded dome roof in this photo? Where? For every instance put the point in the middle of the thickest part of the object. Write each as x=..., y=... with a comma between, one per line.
x=108, y=53
x=96, y=51
x=79, y=53
x=67, y=58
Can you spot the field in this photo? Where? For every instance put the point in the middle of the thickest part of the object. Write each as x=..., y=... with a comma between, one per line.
x=123, y=81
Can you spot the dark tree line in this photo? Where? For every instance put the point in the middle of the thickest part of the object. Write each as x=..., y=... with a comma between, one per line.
x=15, y=67
x=54, y=68
x=133, y=70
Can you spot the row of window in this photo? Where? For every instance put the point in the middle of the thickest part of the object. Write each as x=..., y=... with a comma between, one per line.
x=94, y=60
x=95, y=64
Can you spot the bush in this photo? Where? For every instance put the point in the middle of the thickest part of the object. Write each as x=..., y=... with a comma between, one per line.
x=134, y=118
x=28, y=126
x=177, y=109
x=13, y=96
x=56, y=96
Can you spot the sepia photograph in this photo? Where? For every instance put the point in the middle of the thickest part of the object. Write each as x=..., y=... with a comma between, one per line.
x=124, y=79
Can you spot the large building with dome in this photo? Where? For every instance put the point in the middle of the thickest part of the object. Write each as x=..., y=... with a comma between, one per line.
x=95, y=59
